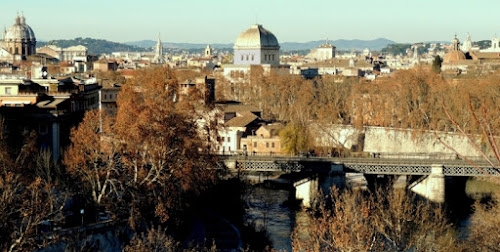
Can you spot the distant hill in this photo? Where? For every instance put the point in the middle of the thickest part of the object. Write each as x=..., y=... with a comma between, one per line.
x=151, y=43
x=483, y=44
x=341, y=44
x=95, y=46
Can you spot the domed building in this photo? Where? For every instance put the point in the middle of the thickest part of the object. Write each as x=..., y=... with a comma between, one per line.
x=256, y=46
x=455, y=54
x=19, y=39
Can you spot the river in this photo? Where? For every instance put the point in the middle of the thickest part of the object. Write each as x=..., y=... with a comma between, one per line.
x=267, y=208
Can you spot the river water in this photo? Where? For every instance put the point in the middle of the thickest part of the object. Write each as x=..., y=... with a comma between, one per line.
x=267, y=208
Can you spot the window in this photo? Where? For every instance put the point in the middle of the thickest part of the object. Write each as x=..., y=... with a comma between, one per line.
x=229, y=139
x=272, y=145
x=8, y=90
x=242, y=57
x=273, y=57
x=252, y=57
x=223, y=139
x=255, y=144
x=267, y=144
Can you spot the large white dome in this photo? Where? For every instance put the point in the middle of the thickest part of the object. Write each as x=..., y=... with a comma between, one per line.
x=256, y=37
x=19, y=31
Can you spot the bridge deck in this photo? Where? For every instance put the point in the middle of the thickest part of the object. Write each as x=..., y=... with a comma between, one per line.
x=451, y=167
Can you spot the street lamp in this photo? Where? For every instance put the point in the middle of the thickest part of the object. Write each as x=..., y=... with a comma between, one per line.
x=82, y=211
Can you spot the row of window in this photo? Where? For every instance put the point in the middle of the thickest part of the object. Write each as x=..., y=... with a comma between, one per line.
x=247, y=58
x=222, y=139
x=268, y=57
x=224, y=149
x=267, y=145
x=110, y=96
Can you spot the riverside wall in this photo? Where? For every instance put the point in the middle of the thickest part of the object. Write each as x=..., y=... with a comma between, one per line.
x=390, y=141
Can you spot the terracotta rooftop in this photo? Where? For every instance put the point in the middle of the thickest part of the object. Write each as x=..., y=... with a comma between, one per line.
x=273, y=128
x=242, y=120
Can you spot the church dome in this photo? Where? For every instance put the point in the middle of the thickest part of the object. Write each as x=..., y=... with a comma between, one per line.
x=19, y=31
x=256, y=37
x=454, y=56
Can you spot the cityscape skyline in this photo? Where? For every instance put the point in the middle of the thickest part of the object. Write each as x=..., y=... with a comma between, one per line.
x=222, y=21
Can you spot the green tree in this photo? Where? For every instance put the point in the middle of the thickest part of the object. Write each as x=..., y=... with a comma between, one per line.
x=294, y=139
x=436, y=64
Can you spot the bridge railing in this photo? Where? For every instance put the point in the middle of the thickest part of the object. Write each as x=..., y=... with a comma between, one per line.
x=372, y=158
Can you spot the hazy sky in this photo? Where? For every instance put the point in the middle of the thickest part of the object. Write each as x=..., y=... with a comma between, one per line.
x=221, y=21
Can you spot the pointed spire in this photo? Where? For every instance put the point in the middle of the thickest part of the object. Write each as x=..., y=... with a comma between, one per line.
x=17, y=20
x=158, y=58
x=23, y=19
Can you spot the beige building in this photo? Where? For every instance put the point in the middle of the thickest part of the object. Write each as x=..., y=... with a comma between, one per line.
x=72, y=53
x=323, y=52
x=265, y=141
x=107, y=99
x=105, y=65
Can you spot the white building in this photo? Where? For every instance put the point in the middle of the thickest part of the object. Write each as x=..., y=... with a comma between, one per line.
x=70, y=54
x=239, y=121
x=495, y=45
x=254, y=46
x=159, y=58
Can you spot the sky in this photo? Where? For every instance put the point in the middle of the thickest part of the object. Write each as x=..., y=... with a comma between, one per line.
x=221, y=21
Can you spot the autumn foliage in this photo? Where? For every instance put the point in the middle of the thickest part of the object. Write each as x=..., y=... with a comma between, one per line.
x=408, y=99
x=384, y=221
x=150, y=159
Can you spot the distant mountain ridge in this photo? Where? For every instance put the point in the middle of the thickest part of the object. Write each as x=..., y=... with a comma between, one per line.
x=341, y=44
x=100, y=46
x=94, y=46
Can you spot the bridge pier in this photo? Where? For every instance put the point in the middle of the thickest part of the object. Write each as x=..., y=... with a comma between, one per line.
x=306, y=190
x=432, y=186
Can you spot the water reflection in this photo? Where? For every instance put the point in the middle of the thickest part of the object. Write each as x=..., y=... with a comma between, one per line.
x=267, y=209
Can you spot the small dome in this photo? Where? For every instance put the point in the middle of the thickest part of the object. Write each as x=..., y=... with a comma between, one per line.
x=19, y=31
x=256, y=37
x=454, y=56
